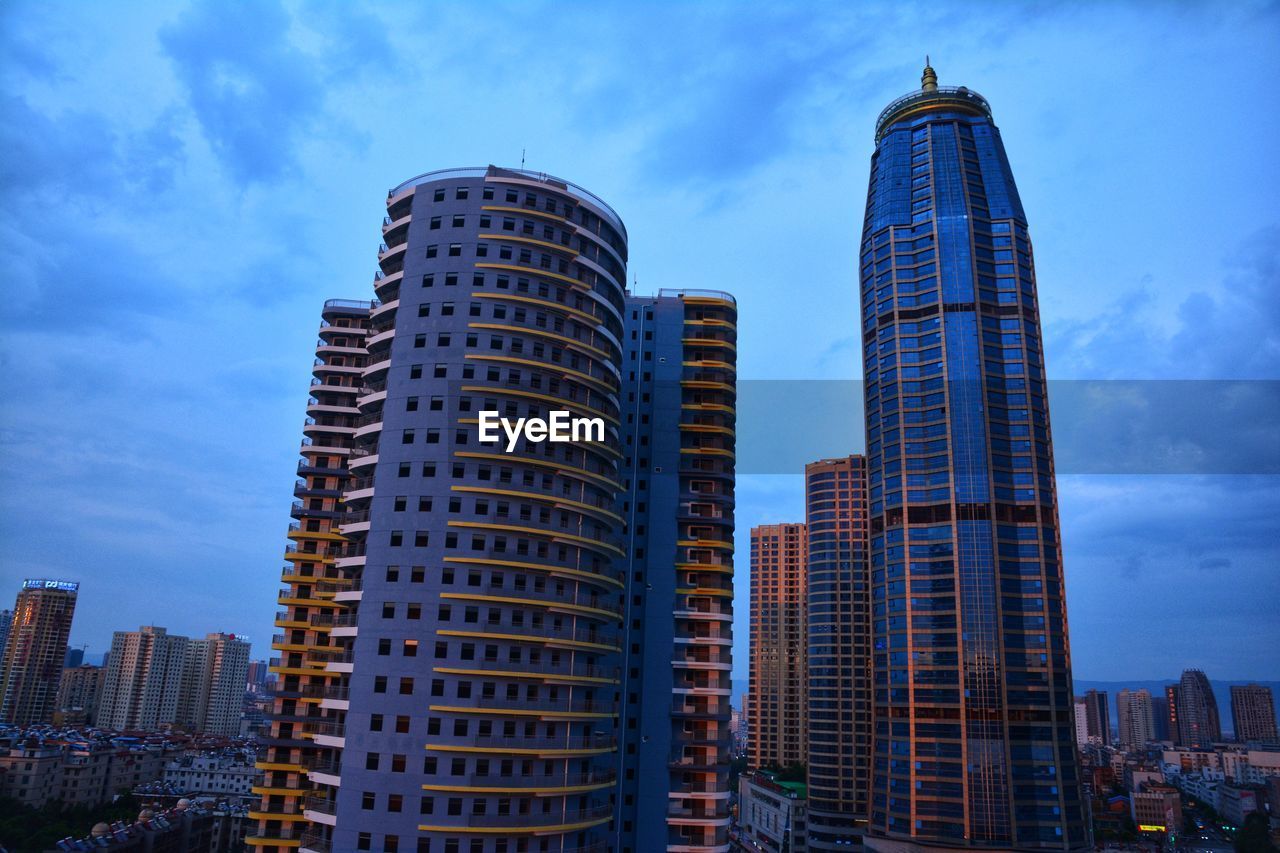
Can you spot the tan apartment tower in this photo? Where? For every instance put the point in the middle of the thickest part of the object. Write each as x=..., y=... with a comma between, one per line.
x=306, y=723
x=33, y=656
x=779, y=646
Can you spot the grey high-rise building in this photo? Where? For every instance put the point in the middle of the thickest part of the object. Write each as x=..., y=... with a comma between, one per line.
x=512, y=645
x=1253, y=713
x=1135, y=717
x=1198, y=722
x=1098, y=715
x=972, y=706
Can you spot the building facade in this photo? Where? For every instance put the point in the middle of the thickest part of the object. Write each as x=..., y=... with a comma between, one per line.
x=1097, y=706
x=214, y=676
x=1253, y=713
x=1198, y=722
x=973, y=722
x=679, y=412
x=779, y=681
x=523, y=646
x=79, y=692
x=143, y=681
x=773, y=814
x=305, y=726
x=1136, y=722
x=1081, y=717
x=839, y=653
x=32, y=666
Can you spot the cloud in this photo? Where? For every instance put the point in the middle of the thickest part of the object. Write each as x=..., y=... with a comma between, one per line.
x=261, y=81
x=1228, y=331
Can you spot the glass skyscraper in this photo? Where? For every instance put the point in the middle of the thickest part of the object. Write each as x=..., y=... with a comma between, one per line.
x=972, y=703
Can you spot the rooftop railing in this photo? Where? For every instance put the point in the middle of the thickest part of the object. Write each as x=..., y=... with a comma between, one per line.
x=543, y=177
x=956, y=94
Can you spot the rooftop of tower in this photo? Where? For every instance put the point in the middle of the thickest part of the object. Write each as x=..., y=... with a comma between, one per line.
x=930, y=96
x=523, y=174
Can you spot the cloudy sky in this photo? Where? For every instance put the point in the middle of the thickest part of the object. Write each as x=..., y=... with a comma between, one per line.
x=185, y=183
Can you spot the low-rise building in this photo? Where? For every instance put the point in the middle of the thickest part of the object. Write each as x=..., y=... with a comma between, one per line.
x=1156, y=809
x=1202, y=786
x=185, y=828
x=212, y=774
x=771, y=813
x=1251, y=766
x=1237, y=802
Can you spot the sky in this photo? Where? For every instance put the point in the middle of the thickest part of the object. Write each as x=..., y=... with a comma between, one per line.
x=185, y=183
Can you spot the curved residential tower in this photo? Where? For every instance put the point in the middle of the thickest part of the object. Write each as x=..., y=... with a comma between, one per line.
x=972, y=703
x=519, y=644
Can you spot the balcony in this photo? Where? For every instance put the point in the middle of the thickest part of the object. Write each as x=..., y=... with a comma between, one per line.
x=556, y=817
x=548, y=780
x=545, y=669
x=314, y=842
x=545, y=707
x=563, y=743
x=545, y=634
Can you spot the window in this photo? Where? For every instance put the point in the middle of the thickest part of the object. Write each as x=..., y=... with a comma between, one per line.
x=459, y=221
x=415, y=371
x=435, y=223
x=455, y=250
x=432, y=251
x=397, y=538
x=461, y=194
x=367, y=803
x=406, y=686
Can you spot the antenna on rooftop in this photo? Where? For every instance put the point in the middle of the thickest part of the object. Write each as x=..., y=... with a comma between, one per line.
x=521, y=158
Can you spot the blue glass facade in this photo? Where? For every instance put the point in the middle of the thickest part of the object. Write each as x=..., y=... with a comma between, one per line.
x=972, y=707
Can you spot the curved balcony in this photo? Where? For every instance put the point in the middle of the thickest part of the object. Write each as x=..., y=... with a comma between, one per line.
x=565, y=669
x=544, y=634
x=532, y=822
x=362, y=460
x=496, y=706
x=383, y=337
x=517, y=783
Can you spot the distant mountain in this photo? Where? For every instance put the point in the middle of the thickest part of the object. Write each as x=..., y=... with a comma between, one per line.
x=1221, y=692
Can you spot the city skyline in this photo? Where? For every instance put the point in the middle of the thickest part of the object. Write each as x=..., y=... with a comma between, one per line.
x=170, y=148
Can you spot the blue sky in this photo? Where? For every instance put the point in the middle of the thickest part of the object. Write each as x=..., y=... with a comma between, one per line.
x=184, y=184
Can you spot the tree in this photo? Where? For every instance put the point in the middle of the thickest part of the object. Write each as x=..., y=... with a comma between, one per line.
x=1255, y=835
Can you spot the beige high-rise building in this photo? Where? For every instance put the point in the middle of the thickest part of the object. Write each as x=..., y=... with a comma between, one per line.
x=779, y=685
x=1253, y=712
x=1137, y=723
x=78, y=695
x=143, y=680
x=213, y=684
x=32, y=663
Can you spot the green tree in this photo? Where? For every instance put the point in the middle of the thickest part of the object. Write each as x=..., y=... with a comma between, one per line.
x=1255, y=835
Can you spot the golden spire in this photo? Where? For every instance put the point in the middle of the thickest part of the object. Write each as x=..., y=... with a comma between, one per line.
x=929, y=79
